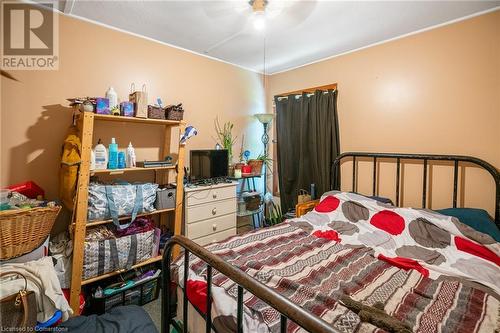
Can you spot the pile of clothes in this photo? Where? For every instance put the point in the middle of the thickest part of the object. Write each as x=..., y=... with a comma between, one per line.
x=16, y=200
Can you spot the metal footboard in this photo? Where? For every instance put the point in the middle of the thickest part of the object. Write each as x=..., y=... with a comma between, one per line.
x=288, y=310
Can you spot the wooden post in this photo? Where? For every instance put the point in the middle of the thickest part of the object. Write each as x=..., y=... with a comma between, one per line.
x=164, y=175
x=179, y=193
x=86, y=126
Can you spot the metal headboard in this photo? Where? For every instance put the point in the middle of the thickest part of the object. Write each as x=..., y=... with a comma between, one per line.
x=456, y=159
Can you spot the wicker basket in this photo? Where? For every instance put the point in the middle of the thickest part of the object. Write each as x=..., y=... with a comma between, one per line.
x=156, y=112
x=175, y=112
x=23, y=230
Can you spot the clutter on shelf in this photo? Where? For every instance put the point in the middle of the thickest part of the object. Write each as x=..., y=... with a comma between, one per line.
x=103, y=250
x=136, y=106
x=139, y=288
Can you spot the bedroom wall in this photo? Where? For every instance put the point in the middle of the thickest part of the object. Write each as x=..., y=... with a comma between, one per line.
x=433, y=92
x=35, y=114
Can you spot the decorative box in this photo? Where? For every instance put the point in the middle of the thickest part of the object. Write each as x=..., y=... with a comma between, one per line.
x=156, y=112
x=102, y=105
x=127, y=109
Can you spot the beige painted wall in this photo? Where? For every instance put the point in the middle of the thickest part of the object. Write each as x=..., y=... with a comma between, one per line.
x=433, y=92
x=35, y=116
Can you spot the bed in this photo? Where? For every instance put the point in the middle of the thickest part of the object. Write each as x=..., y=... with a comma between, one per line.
x=352, y=264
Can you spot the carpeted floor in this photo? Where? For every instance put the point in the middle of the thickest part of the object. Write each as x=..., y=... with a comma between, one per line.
x=154, y=310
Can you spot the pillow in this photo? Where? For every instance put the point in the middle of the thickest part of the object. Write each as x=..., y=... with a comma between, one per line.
x=478, y=219
x=377, y=198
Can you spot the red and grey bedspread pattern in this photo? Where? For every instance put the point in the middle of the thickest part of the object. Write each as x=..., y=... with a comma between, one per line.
x=423, y=240
x=313, y=271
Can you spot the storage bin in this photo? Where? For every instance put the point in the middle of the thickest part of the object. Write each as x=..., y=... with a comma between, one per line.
x=165, y=197
x=139, y=294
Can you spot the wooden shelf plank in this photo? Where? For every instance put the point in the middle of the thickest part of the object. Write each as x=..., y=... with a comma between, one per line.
x=105, y=117
x=122, y=218
x=121, y=171
x=142, y=263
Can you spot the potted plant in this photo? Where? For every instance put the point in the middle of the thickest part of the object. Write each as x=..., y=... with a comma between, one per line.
x=274, y=215
x=259, y=162
x=225, y=137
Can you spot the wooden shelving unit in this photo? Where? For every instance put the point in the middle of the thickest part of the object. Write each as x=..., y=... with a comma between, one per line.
x=79, y=227
x=127, y=170
x=123, y=218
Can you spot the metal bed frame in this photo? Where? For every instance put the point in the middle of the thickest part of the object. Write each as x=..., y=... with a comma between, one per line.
x=287, y=309
x=456, y=159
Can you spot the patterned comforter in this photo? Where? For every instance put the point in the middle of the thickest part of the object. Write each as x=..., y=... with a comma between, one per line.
x=416, y=263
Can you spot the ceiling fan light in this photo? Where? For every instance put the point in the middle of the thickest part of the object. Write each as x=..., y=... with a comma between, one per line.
x=259, y=21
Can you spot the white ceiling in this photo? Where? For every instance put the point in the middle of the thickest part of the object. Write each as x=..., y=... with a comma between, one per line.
x=301, y=32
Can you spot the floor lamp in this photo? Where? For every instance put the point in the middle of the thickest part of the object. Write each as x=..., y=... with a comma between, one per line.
x=265, y=119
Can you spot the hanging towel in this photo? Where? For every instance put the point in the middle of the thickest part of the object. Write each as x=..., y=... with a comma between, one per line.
x=70, y=162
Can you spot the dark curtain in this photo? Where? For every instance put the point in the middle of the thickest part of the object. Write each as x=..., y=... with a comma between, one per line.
x=308, y=142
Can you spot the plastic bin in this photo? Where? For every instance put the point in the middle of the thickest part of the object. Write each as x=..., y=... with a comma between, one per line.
x=138, y=294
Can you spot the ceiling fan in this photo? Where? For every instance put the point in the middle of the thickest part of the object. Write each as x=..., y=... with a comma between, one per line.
x=256, y=14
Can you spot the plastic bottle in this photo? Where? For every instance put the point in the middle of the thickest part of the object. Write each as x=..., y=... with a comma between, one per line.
x=101, y=156
x=131, y=156
x=113, y=154
x=113, y=98
x=121, y=160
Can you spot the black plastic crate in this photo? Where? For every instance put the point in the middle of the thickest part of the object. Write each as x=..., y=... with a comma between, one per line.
x=138, y=294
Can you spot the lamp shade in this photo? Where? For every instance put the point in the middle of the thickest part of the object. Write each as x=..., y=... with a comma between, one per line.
x=264, y=118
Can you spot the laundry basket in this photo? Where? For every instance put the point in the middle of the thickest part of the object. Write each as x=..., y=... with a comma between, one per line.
x=23, y=230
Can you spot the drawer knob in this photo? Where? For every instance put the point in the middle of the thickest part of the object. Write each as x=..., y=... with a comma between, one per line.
x=214, y=211
x=214, y=195
x=214, y=227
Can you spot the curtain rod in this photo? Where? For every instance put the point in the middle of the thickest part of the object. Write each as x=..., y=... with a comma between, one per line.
x=300, y=95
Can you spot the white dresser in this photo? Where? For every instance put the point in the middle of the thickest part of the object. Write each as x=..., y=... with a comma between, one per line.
x=210, y=212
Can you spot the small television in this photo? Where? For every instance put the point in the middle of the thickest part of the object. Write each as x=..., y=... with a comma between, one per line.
x=208, y=163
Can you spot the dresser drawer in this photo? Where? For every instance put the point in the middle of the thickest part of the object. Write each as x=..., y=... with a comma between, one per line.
x=210, y=210
x=215, y=237
x=210, y=226
x=209, y=195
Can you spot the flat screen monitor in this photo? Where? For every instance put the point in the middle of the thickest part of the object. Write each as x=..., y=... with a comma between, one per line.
x=207, y=164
